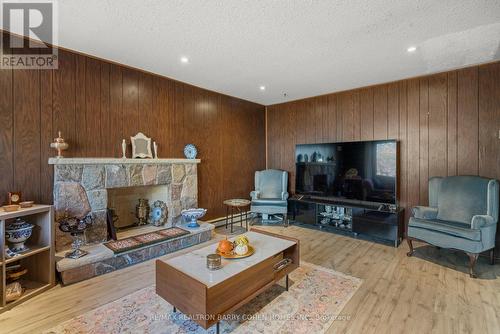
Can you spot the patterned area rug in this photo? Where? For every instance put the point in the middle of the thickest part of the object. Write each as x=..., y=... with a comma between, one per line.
x=314, y=301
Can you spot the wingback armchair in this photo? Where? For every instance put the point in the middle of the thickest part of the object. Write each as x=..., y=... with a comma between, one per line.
x=462, y=214
x=270, y=194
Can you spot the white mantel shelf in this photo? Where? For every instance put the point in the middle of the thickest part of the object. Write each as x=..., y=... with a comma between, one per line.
x=117, y=161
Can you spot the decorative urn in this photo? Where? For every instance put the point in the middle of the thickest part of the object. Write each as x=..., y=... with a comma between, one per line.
x=191, y=216
x=17, y=233
x=76, y=228
x=59, y=144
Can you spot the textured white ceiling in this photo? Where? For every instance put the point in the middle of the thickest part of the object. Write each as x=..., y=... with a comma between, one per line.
x=301, y=48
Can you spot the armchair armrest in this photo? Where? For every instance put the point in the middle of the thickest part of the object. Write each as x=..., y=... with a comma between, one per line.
x=479, y=221
x=284, y=196
x=254, y=194
x=425, y=212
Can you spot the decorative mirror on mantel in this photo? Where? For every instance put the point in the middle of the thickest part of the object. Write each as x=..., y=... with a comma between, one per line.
x=141, y=146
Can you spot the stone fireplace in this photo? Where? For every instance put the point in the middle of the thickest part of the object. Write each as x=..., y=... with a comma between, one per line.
x=90, y=185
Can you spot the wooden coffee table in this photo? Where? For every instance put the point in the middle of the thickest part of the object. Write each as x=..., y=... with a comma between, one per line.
x=206, y=296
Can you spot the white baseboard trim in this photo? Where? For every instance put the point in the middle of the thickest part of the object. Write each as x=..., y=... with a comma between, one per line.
x=221, y=221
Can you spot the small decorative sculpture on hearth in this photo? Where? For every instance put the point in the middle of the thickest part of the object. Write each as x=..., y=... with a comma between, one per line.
x=142, y=212
x=76, y=227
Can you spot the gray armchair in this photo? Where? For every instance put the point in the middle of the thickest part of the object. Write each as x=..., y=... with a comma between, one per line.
x=462, y=214
x=270, y=194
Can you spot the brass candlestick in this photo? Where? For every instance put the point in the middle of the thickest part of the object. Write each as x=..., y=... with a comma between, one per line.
x=59, y=144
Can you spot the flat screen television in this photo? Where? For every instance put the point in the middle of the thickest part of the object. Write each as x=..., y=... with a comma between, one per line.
x=363, y=171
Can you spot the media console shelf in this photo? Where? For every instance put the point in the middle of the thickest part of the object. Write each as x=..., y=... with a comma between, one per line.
x=348, y=218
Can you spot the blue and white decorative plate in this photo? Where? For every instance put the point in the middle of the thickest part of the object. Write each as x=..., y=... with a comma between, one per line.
x=190, y=151
x=158, y=214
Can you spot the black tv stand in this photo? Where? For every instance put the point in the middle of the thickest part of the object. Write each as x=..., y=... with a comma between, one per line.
x=349, y=217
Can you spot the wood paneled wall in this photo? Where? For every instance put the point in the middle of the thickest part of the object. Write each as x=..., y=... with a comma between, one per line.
x=96, y=104
x=447, y=124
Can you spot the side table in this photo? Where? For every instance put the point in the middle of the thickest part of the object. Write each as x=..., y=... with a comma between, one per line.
x=236, y=204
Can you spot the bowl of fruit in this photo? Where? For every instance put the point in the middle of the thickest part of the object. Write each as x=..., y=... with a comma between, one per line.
x=237, y=249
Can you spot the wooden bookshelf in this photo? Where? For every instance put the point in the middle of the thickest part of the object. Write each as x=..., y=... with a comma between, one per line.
x=33, y=250
x=39, y=259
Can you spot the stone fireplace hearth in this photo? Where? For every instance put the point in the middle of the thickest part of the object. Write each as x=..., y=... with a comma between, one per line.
x=81, y=186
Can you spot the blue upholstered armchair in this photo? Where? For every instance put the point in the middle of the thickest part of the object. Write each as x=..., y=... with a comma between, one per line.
x=462, y=214
x=270, y=194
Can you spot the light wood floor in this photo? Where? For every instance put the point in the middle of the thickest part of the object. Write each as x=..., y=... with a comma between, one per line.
x=428, y=293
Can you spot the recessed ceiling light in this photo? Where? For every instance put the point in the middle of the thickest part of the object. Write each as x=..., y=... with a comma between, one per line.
x=184, y=60
x=412, y=49
x=262, y=87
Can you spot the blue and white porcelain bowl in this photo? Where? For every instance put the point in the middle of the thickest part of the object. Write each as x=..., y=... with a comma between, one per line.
x=17, y=233
x=191, y=216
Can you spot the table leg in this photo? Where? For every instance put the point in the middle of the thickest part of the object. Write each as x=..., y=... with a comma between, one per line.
x=286, y=282
x=232, y=214
x=175, y=309
x=246, y=219
x=227, y=214
x=241, y=217
x=217, y=327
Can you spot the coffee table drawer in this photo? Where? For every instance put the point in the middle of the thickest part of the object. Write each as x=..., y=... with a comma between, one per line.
x=225, y=295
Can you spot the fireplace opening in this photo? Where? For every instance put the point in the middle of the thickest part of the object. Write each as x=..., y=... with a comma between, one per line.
x=129, y=208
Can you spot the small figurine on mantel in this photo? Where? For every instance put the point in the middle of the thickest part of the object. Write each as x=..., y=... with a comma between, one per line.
x=60, y=145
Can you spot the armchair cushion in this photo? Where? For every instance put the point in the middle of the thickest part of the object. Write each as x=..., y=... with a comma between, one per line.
x=425, y=212
x=270, y=202
x=269, y=206
x=462, y=197
x=445, y=240
x=455, y=229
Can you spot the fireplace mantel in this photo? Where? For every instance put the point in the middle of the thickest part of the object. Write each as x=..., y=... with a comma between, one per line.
x=117, y=161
